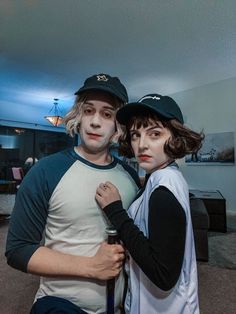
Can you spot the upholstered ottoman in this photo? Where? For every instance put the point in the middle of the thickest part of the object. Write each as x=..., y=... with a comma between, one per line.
x=200, y=221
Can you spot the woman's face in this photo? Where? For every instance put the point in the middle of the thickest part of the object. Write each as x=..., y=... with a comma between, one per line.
x=148, y=145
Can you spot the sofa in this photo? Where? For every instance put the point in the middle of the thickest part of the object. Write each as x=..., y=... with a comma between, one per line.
x=200, y=222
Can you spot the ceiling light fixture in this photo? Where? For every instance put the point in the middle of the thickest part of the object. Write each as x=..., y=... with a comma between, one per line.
x=19, y=131
x=55, y=118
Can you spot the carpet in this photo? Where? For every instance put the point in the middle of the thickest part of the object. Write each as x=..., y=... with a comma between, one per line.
x=217, y=289
x=222, y=249
x=17, y=289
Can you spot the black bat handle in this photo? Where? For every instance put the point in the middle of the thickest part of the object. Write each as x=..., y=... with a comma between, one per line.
x=111, y=239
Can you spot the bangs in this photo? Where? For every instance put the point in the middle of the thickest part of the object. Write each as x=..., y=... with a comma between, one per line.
x=144, y=121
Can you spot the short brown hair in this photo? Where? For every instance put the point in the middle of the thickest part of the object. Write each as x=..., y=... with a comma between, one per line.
x=183, y=140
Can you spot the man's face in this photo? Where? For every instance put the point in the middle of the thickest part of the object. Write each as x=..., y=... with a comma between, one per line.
x=97, y=125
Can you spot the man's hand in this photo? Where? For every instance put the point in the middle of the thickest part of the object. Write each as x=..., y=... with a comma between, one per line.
x=108, y=261
x=106, y=193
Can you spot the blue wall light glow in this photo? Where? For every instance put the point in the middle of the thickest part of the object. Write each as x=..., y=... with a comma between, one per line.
x=8, y=141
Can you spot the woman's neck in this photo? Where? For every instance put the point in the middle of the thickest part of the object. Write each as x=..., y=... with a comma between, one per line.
x=162, y=166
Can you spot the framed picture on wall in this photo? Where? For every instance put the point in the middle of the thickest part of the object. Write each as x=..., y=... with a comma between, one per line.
x=217, y=148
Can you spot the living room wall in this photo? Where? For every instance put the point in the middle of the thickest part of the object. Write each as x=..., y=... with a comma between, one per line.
x=211, y=108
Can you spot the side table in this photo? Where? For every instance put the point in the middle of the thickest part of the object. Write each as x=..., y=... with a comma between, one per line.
x=216, y=207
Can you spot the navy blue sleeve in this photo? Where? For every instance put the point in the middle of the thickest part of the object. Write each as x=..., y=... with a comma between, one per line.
x=30, y=212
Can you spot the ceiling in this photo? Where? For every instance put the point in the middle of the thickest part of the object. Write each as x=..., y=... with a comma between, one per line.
x=48, y=48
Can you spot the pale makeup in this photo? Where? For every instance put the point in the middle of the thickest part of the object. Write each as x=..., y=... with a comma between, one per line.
x=148, y=146
x=97, y=125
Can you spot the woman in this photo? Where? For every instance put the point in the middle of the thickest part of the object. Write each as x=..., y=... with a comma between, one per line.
x=157, y=231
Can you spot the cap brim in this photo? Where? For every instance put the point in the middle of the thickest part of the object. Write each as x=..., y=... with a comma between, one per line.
x=102, y=88
x=125, y=113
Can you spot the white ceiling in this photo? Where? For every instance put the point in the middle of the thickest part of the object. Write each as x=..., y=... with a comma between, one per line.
x=48, y=47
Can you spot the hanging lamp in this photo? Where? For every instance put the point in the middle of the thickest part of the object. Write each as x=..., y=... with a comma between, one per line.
x=55, y=118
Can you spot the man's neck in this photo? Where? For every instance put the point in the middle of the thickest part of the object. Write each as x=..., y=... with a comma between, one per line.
x=98, y=158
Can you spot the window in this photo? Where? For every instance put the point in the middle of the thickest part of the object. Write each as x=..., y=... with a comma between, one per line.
x=20, y=147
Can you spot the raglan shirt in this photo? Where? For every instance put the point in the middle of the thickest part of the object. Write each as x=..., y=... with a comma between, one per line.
x=55, y=206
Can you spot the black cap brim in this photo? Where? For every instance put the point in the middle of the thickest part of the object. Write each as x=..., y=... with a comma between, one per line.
x=125, y=113
x=104, y=88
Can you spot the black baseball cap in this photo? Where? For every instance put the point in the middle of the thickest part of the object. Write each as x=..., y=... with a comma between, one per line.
x=164, y=106
x=106, y=83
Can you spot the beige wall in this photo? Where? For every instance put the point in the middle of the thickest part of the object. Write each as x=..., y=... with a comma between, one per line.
x=211, y=108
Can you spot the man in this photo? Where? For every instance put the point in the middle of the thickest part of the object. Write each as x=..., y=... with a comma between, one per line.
x=57, y=199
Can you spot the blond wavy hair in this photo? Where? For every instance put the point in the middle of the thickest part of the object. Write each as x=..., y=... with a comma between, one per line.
x=73, y=117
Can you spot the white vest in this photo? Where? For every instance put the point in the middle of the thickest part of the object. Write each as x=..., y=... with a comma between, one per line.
x=143, y=296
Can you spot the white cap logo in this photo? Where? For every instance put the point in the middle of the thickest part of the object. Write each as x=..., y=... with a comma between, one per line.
x=149, y=97
x=102, y=78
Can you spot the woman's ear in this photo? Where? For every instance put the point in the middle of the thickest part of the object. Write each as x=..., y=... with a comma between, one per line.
x=119, y=132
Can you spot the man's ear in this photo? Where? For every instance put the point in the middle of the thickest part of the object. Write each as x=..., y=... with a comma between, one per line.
x=119, y=132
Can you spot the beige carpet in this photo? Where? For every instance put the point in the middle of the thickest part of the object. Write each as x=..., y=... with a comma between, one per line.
x=222, y=249
x=17, y=289
x=217, y=289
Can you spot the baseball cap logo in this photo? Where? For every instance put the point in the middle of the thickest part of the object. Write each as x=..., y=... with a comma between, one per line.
x=149, y=97
x=103, y=78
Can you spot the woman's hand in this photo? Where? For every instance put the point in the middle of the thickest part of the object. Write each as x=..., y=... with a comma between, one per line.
x=107, y=193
